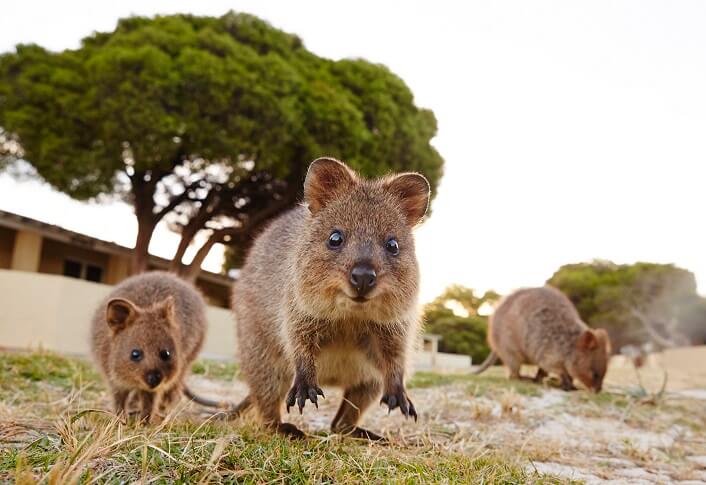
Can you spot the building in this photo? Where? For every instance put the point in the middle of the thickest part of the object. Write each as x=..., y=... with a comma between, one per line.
x=34, y=246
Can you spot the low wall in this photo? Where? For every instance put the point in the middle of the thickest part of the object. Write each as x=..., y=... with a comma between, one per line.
x=441, y=361
x=54, y=312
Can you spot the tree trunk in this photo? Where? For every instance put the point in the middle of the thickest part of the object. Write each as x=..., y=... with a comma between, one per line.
x=140, y=257
x=191, y=272
x=143, y=201
x=189, y=231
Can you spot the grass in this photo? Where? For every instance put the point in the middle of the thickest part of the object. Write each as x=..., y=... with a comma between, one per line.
x=26, y=374
x=490, y=382
x=215, y=453
x=215, y=369
x=53, y=429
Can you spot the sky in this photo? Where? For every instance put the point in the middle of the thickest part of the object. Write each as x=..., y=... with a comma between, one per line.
x=571, y=131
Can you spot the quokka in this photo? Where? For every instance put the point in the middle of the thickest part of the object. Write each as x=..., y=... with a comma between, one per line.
x=145, y=335
x=328, y=296
x=541, y=326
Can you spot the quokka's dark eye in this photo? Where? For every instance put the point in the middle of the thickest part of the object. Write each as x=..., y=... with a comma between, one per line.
x=596, y=376
x=165, y=355
x=335, y=240
x=136, y=355
x=392, y=247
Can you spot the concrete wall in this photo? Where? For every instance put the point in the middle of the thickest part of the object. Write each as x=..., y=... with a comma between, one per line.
x=54, y=312
x=441, y=362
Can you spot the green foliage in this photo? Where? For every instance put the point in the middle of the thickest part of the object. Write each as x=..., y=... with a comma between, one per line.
x=205, y=87
x=606, y=295
x=134, y=106
x=461, y=334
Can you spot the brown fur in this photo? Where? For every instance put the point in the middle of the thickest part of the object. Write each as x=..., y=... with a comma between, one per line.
x=298, y=324
x=151, y=312
x=541, y=326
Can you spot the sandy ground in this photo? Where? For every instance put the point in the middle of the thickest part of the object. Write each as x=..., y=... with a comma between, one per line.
x=626, y=435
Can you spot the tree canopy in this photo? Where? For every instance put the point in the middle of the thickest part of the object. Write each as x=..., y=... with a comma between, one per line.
x=633, y=301
x=209, y=122
x=455, y=316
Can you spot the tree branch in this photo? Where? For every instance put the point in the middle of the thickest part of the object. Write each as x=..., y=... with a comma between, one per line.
x=177, y=199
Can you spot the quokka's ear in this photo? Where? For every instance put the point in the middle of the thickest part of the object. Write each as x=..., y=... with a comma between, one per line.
x=326, y=179
x=167, y=309
x=587, y=340
x=120, y=313
x=604, y=339
x=413, y=191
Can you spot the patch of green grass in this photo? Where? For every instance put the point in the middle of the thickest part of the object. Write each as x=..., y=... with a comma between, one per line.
x=215, y=369
x=492, y=385
x=478, y=385
x=603, y=399
x=432, y=379
x=28, y=373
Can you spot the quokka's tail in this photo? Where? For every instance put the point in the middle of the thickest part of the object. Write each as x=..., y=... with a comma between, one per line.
x=232, y=411
x=490, y=360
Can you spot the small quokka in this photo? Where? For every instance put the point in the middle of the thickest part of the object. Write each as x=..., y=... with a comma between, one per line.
x=328, y=296
x=541, y=326
x=145, y=336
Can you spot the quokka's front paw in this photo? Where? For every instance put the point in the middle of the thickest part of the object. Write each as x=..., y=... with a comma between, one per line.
x=398, y=398
x=301, y=391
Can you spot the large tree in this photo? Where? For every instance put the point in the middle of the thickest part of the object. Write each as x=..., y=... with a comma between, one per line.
x=636, y=303
x=206, y=123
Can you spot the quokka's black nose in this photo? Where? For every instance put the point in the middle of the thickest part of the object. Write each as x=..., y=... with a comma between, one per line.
x=153, y=378
x=363, y=278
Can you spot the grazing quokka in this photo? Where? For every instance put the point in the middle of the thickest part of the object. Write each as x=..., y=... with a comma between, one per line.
x=145, y=336
x=328, y=296
x=541, y=326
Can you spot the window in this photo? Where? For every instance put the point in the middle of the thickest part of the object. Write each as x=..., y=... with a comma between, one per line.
x=94, y=273
x=88, y=272
x=72, y=268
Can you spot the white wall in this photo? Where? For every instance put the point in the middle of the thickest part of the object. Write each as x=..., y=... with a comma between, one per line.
x=54, y=312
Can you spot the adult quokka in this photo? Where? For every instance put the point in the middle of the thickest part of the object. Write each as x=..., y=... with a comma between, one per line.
x=541, y=326
x=328, y=296
x=145, y=335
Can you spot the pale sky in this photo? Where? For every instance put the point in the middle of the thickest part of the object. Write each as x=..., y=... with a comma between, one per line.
x=571, y=130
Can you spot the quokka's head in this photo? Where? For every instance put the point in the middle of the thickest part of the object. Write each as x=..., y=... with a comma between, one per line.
x=144, y=348
x=358, y=258
x=589, y=362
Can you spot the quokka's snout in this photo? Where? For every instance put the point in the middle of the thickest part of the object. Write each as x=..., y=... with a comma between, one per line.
x=153, y=378
x=363, y=278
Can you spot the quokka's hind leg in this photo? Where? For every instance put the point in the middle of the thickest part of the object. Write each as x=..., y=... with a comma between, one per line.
x=356, y=400
x=541, y=374
x=268, y=396
x=567, y=383
x=514, y=364
x=270, y=411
